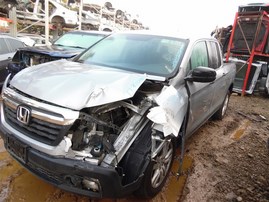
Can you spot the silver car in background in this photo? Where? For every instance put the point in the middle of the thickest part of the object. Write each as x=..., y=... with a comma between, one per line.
x=8, y=47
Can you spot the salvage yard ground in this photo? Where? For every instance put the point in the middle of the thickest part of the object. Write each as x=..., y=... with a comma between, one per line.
x=231, y=159
x=225, y=160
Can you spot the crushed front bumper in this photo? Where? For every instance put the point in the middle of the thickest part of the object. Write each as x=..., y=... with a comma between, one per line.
x=68, y=174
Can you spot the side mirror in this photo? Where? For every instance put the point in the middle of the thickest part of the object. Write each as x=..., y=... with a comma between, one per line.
x=202, y=75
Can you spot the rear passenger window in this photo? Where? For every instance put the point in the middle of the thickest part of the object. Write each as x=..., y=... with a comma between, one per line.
x=215, y=59
x=199, y=56
x=3, y=46
x=15, y=44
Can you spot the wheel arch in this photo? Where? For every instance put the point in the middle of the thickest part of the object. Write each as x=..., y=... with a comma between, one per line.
x=58, y=19
x=137, y=158
x=107, y=30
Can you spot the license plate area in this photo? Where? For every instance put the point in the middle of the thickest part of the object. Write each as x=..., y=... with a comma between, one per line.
x=17, y=148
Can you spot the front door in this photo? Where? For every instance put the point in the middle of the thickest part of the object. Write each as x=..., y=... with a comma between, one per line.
x=201, y=94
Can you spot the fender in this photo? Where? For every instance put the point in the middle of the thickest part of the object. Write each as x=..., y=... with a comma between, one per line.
x=168, y=116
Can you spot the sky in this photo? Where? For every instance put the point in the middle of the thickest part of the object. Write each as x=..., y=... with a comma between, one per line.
x=186, y=16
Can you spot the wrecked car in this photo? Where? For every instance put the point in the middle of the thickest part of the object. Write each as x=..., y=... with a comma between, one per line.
x=106, y=124
x=59, y=15
x=67, y=46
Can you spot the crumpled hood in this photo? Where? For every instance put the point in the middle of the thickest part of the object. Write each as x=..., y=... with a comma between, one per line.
x=54, y=50
x=76, y=86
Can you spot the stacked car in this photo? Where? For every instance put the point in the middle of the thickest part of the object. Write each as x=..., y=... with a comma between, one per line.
x=96, y=15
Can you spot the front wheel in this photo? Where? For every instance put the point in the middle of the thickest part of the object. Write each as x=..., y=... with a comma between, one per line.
x=222, y=110
x=162, y=155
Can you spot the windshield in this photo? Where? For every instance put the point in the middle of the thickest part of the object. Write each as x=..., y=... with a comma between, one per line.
x=150, y=54
x=78, y=40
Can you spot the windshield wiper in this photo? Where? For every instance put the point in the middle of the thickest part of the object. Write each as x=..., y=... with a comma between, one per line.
x=69, y=46
x=58, y=45
x=77, y=47
x=79, y=61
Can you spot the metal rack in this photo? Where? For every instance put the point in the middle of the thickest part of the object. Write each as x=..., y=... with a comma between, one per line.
x=249, y=46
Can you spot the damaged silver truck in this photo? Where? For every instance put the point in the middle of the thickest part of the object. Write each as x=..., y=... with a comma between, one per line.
x=107, y=123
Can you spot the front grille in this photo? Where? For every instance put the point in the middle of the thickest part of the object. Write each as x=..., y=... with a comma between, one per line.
x=45, y=132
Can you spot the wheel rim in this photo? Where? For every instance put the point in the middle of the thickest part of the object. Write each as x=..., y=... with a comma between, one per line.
x=225, y=105
x=162, y=164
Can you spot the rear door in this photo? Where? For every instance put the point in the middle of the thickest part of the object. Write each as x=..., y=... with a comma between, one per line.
x=201, y=94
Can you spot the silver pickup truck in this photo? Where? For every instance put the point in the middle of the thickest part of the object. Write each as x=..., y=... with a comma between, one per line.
x=107, y=123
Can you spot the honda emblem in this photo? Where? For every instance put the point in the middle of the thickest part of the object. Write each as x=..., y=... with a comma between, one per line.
x=23, y=114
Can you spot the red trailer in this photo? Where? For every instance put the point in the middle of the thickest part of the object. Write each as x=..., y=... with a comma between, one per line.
x=248, y=47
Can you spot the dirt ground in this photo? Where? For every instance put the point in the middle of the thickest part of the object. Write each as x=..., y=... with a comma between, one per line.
x=231, y=159
x=225, y=160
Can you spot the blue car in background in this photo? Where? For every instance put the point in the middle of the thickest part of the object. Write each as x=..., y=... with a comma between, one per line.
x=67, y=46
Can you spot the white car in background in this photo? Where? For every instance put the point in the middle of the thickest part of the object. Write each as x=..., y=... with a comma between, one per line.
x=58, y=14
x=32, y=39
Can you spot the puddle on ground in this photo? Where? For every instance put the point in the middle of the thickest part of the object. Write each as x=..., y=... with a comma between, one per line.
x=9, y=168
x=174, y=190
x=30, y=188
x=22, y=185
x=240, y=131
x=18, y=184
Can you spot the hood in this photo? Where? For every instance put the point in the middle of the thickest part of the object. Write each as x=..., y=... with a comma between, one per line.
x=76, y=86
x=54, y=50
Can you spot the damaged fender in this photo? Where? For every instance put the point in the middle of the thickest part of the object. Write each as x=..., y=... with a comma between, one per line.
x=171, y=110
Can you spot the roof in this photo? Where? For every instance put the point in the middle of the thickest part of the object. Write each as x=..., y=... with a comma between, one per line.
x=191, y=36
x=254, y=7
x=3, y=35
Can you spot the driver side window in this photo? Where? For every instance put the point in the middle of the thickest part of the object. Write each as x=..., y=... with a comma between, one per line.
x=199, y=56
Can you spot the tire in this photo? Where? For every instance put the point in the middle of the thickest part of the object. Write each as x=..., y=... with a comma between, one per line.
x=157, y=170
x=58, y=23
x=107, y=30
x=108, y=5
x=222, y=110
